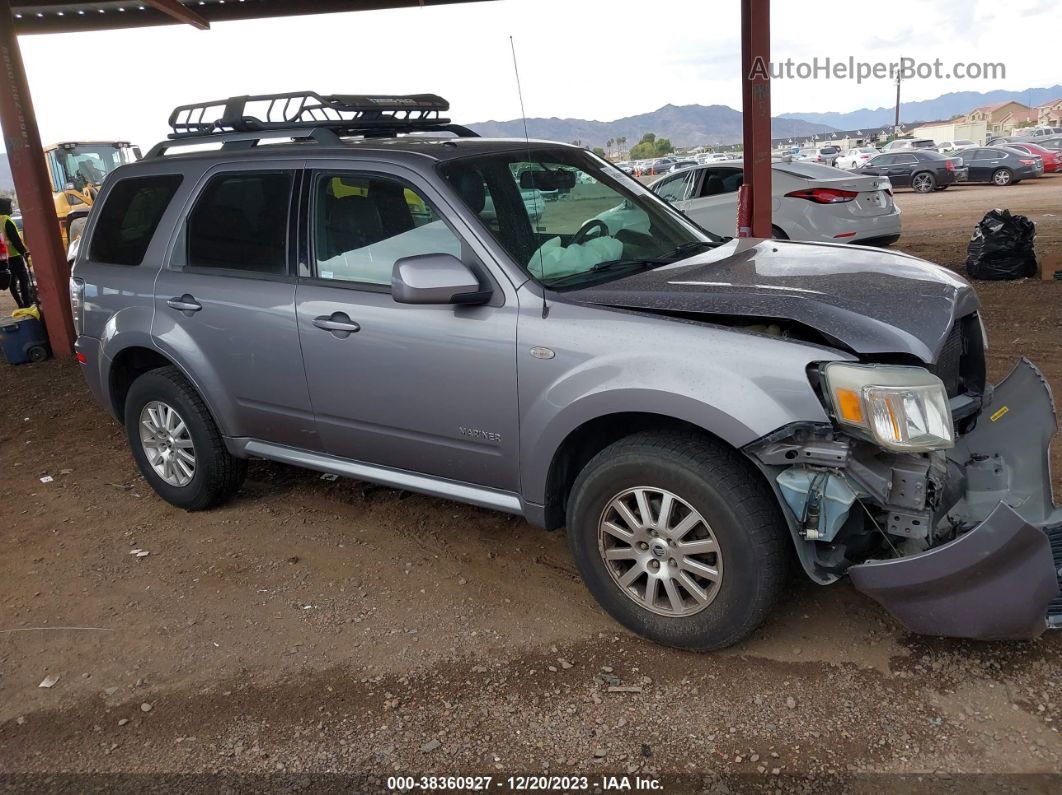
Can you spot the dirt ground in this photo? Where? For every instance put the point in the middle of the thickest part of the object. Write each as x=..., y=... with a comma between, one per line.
x=314, y=627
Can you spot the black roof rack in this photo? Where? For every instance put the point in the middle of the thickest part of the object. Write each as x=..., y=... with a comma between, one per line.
x=343, y=114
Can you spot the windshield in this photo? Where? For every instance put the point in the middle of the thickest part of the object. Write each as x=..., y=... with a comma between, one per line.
x=81, y=165
x=569, y=218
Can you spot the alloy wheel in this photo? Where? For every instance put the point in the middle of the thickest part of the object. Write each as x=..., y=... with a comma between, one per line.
x=922, y=183
x=167, y=443
x=1001, y=177
x=660, y=551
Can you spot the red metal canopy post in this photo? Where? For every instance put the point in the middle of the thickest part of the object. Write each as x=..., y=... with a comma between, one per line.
x=26, y=155
x=754, y=201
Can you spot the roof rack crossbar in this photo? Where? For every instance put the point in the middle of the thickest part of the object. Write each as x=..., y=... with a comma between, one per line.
x=345, y=114
x=244, y=140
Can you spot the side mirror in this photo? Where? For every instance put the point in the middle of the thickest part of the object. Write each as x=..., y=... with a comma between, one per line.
x=435, y=279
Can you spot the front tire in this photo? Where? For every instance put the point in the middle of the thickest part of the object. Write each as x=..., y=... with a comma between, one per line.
x=678, y=539
x=176, y=444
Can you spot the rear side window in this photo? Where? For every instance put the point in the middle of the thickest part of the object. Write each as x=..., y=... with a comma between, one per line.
x=677, y=188
x=240, y=222
x=129, y=217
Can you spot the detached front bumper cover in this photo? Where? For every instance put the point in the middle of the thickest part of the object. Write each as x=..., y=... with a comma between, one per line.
x=998, y=580
x=993, y=583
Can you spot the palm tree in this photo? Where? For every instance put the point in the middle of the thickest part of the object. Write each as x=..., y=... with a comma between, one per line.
x=608, y=146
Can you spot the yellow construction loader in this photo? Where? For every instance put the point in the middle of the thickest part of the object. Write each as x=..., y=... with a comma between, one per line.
x=76, y=170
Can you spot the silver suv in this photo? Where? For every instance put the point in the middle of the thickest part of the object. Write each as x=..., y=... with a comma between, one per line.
x=357, y=286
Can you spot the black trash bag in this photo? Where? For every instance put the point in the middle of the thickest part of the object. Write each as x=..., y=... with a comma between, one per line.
x=1002, y=247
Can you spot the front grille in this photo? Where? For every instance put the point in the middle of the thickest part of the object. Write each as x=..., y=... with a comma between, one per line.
x=961, y=363
x=1054, y=610
x=949, y=363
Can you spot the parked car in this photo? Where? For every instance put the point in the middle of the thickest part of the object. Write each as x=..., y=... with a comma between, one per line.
x=909, y=143
x=660, y=165
x=854, y=158
x=1052, y=142
x=678, y=165
x=1027, y=134
x=718, y=157
x=947, y=147
x=1000, y=165
x=1051, y=158
x=811, y=202
x=827, y=155
x=695, y=412
x=923, y=170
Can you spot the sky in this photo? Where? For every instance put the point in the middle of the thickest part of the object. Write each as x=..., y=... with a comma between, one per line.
x=591, y=59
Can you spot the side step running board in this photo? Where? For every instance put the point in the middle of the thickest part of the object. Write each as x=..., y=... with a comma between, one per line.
x=495, y=499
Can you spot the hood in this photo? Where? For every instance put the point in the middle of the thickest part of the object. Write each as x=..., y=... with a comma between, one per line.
x=869, y=300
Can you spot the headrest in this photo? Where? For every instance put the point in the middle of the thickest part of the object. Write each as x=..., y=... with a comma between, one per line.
x=469, y=184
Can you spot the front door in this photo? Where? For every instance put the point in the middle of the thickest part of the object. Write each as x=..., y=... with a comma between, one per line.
x=225, y=304
x=712, y=203
x=430, y=389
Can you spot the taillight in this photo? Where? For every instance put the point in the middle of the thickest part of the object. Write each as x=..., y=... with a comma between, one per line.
x=77, y=302
x=1028, y=162
x=824, y=195
x=949, y=165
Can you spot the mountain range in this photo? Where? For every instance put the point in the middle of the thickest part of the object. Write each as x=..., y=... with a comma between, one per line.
x=942, y=107
x=685, y=125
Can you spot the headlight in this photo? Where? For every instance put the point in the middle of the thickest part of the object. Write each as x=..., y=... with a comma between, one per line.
x=901, y=408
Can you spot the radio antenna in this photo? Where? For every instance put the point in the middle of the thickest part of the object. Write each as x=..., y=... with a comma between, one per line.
x=527, y=143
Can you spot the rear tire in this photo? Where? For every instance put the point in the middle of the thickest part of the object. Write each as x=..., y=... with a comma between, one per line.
x=198, y=472
x=923, y=182
x=1003, y=177
x=742, y=537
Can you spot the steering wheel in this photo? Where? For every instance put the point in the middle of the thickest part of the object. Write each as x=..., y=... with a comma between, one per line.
x=583, y=234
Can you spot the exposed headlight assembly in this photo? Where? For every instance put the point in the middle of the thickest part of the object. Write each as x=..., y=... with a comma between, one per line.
x=901, y=408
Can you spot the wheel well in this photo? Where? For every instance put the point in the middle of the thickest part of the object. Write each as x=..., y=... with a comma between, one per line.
x=591, y=438
x=128, y=366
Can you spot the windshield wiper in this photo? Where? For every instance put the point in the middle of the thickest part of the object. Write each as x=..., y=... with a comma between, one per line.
x=690, y=247
x=644, y=263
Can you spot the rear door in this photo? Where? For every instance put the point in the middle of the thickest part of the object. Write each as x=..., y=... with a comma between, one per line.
x=979, y=162
x=225, y=303
x=430, y=389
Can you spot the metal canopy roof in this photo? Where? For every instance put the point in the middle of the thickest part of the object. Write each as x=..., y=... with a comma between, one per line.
x=59, y=16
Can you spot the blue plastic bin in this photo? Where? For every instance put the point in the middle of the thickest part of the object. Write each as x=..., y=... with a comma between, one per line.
x=23, y=339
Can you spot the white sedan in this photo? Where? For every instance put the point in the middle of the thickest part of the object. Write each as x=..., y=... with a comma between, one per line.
x=854, y=158
x=810, y=202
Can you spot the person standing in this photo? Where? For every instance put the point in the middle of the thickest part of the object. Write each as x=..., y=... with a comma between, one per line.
x=17, y=256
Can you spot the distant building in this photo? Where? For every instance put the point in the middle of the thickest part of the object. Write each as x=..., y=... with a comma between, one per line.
x=1050, y=113
x=952, y=130
x=997, y=116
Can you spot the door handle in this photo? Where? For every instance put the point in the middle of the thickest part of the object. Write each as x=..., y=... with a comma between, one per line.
x=185, y=303
x=338, y=323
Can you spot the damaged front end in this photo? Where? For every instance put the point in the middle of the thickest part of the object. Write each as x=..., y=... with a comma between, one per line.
x=963, y=540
